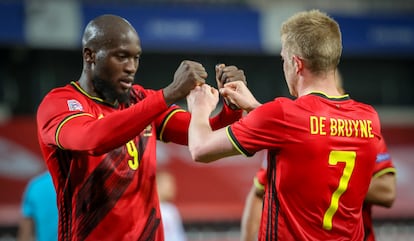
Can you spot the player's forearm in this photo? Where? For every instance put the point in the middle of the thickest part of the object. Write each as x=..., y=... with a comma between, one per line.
x=99, y=136
x=206, y=145
x=198, y=133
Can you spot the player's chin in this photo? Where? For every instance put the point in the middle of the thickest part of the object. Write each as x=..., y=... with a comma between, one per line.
x=125, y=90
x=123, y=95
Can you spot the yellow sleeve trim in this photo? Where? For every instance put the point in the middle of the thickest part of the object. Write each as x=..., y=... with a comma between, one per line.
x=64, y=122
x=257, y=184
x=235, y=144
x=384, y=171
x=166, y=121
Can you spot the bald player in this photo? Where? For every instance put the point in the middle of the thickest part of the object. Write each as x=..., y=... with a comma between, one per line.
x=98, y=136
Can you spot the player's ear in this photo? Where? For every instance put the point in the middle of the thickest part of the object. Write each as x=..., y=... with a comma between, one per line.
x=298, y=62
x=88, y=55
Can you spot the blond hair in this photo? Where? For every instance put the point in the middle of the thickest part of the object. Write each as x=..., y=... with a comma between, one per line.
x=315, y=37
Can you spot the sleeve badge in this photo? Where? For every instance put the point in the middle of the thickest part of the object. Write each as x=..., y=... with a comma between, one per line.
x=74, y=105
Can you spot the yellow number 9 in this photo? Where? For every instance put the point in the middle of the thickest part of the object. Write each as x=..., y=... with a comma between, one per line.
x=133, y=152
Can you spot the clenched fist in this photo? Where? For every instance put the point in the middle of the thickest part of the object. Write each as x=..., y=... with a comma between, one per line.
x=187, y=76
x=226, y=74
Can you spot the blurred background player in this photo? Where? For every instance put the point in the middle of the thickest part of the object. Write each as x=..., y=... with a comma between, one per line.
x=39, y=211
x=171, y=218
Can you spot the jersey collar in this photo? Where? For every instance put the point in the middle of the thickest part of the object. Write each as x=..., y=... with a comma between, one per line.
x=97, y=99
x=330, y=97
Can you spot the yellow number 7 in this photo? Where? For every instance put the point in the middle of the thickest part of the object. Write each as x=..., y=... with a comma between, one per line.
x=334, y=157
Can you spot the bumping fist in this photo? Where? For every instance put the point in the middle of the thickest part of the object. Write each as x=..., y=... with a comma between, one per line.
x=187, y=76
x=226, y=74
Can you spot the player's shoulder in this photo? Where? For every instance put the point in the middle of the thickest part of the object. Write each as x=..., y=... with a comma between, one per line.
x=365, y=106
x=59, y=97
x=141, y=91
x=283, y=100
x=366, y=110
x=40, y=180
x=69, y=90
x=139, y=87
x=45, y=176
x=277, y=105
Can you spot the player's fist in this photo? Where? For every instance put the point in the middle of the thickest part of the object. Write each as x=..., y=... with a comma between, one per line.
x=187, y=76
x=226, y=74
x=239, y=95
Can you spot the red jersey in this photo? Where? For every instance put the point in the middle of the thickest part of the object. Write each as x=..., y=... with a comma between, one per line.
x=102, y=159
x=383, y=165
x=321, y=154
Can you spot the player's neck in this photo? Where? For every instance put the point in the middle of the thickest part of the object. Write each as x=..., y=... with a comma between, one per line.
x=86, y=85
x=326, y=86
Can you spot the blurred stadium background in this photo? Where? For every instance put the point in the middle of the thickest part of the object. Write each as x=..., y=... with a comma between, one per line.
x=40, y=49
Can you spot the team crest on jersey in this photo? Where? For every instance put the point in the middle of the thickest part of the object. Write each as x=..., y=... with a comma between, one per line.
x=74, y=105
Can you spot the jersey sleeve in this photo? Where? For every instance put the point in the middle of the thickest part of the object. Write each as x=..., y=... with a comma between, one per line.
x=251, y=133
x=383, y=162
x=260, y=179
x=64, y=120
x=173, y=125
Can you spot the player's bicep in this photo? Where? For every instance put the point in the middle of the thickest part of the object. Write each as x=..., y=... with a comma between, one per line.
x=71, y=131
x=221, y=141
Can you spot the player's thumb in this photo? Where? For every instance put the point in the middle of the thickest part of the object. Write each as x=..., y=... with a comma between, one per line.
x=228, y=92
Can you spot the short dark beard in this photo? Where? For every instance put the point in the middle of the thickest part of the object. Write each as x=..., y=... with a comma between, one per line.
x=106, y=91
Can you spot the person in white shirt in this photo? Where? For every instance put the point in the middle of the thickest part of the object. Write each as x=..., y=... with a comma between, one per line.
x=171, y=218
